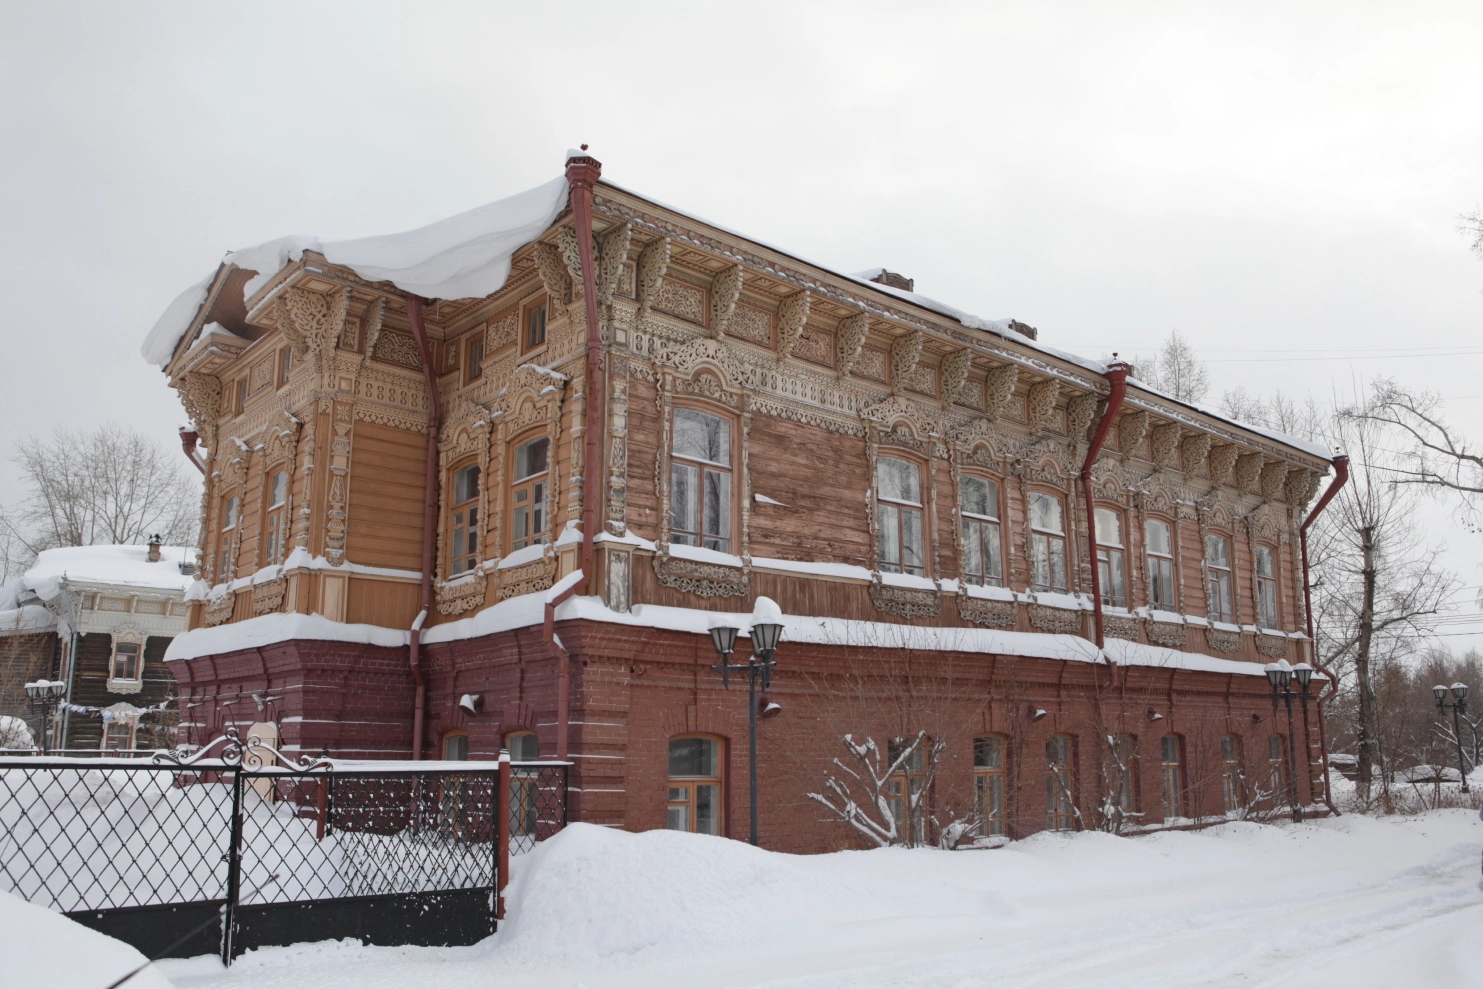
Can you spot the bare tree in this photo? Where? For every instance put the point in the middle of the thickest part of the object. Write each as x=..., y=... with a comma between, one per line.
x=110, y=485
x=1433, y=453
x=1177, y=369
x=1471, y=225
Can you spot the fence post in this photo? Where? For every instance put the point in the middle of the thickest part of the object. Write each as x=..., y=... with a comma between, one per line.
x=502, y=833
x=234, y=871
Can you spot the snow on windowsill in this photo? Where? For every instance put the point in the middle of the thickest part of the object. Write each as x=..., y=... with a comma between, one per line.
x=1225, y=627
x=702, y=555
x=838, y=571
x=1068, y=602
x=521, y=557
x=908, y=580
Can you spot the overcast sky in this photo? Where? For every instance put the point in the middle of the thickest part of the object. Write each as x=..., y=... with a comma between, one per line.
x=1281, y=183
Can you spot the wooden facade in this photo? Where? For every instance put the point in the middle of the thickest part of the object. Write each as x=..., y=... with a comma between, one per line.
x=841, y=416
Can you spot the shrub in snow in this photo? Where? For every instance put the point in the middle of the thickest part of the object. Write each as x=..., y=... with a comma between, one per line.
x=15, y=734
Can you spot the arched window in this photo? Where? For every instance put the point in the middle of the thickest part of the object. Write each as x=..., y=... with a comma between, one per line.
x=1110, y=569
x=904, y=787
x=1218, y=566
x=1230, y=772
x=456, y=746
x=524, y=747
x=695, y=785
x=898, y=488
x=1160, y=544
x=231, y=509
x=988, y=784
x=1266, y=588
x=1060, y=810
x=982, y=562
x=700, y=481
x=529, y=483
x=1170, y=762
x=275, y=517
x=1047, y=542
x=463, y=540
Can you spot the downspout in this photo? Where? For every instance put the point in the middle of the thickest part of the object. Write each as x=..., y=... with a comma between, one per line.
x=71, y=660
x=1341, y=475
x=188, y=439
x=429, y=516
x=1117, y=378
x=582, y=172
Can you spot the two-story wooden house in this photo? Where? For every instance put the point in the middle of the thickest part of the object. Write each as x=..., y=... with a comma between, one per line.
x=487, y=484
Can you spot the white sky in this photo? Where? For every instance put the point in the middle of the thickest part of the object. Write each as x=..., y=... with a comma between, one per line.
x=1279, y=182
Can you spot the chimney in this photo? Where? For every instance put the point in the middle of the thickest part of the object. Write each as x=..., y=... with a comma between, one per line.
x=893, y=280
x=154, y=548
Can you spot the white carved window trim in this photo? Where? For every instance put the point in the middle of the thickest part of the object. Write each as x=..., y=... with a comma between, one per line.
x=967, y=519
x=702, y=467
x=126, y=685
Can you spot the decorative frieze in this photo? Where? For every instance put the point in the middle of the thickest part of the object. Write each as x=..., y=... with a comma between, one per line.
x=681, y=299
x=1049, y=619
x=871, y=364
x=268, y=596
x=1120, y=627
x=751, y=324
x=457, y=597
x=1271, y=646
x=1167, y=634
x=907, y=602
x=708, y=580
x=220, y=609
x=1222, y=640
x=528, y=578
x=994, y=614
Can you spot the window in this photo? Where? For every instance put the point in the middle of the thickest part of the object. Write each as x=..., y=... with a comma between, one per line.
x=241, y=395
x=126, y=661
x=1047, y=543
x=524, y=746
x=904, y=788
x=1119, y=770
x=118, y=735
x=285, y=365
x=1230, y=772
x=988, y=785
x=1266, y=588
x=529, y=483
x=535, y=326
x=981, y=547
x=230, y=509
x=1218, y=564
x=694, y=785
x=275, y=516
x=1274, y=767
x=464, y=545
x=1060, y=814
x=898, y=485
x=700, y=481
x=1169, y=761
x=472, y=369
x=1160, y=565
x=1110, y=568
x=456, y=746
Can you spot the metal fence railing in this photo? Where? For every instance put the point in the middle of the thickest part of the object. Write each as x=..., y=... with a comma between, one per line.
x=237, y=852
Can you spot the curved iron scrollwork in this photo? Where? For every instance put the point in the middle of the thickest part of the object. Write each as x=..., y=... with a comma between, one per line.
x=248, y=755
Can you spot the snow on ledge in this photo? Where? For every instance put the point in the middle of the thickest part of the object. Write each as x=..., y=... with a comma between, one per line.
x=266, y=630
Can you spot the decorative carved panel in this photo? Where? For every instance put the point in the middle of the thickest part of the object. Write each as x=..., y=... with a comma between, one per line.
x=1223, y=641
x=871, y=363
x=1165, y=443
x=850, y=337
x=464, y=595
x=1079, y=413
x=709, y=580
x=1042, y=404
x=1274, y=475
x=1193, y=452
x=1050, y=619
x=1222, y=459
x=994, y=614
x=1272, y=646
x=725, y=290
x=999, y=388
x=751, y=324
x=399, y=349
x=908, y=602
x=1119, y=627
x=681, y=299
x=1167, y=634
x=792, y=315
x=1132, y=428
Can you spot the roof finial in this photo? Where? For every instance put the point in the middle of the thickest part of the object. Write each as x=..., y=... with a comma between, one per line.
x=584, y=147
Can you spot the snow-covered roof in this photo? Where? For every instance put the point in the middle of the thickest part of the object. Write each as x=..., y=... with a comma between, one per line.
x=123, y=566
x=461, y=257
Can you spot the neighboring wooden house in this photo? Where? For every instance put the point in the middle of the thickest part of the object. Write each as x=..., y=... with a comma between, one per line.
x=602, y=396
x=124, y=604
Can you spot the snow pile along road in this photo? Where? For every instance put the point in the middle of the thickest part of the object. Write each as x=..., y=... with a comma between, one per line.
x=40, y=948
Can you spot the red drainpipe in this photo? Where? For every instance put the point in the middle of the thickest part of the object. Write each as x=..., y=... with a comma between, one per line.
x=188, y=440
x=582, y=172
x=1341, y=475
x=429, y=515
x=1117, y=377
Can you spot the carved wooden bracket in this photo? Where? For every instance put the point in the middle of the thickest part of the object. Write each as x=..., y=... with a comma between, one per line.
x=792, y=314
x=1080, y=411
x=1193, y=452
x=725, y=290
x=1222, y=459
x=653, y=263
x=999, y=388
x=850, y=337
x=555, y=277
x=1165, y=443
x=906, y=352
x=1131, y=430
x=1043, y=403
x=955, y=369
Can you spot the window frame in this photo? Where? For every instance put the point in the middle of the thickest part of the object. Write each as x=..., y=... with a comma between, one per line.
x=1220, y=581
x=138, y=647
x=231, y=509
x=129, y=724
x=273, y=522
x=448, y=736
x=974, y=528
x=525, y=791
x=1157, y=562
x=1117, y=558
x=1232, y=786
x=900, y=509
x=703, y=467
x=1269, y=618
x=1277, y=768
x=538, y=482
x=1060, y=800
x=540, y=302
x=1050, y=537
x=691, y=784
x=1172, y=776
x=473, y=527
x=285, y=366
x=241, y=398
x=989, y=785
x=472, y=369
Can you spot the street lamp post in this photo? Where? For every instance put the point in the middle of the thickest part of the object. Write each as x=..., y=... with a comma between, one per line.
x=1458, y=705
x=767, y=628
x=44, y=695
x=1280, y=676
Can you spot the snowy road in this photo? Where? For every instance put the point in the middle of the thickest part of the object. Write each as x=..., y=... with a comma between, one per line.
x=1352, y=902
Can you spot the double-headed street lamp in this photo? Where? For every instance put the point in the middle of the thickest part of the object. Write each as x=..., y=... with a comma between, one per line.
x=44, y=695
x=1280, y=676
x=767, y=629
x=1458, y=705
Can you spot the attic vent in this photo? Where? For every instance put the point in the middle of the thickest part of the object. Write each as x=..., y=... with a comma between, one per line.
x=1024, y=328
x=893, y=280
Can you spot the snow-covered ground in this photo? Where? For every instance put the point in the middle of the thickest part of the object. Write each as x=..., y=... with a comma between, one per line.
x=1351, y=902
